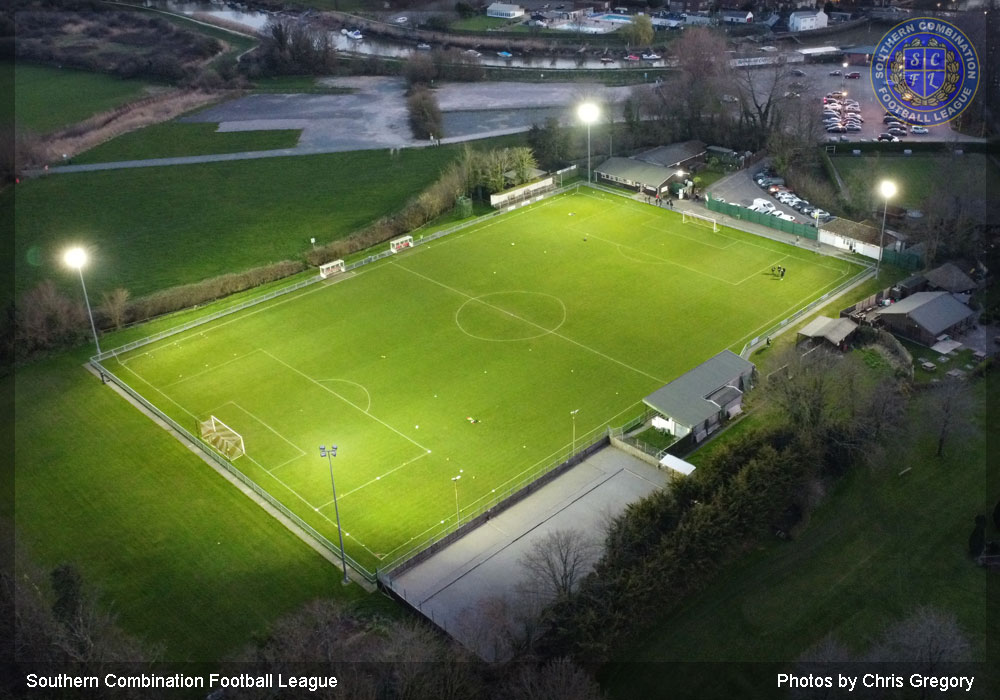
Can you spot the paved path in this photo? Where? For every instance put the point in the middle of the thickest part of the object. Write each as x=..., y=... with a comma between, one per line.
x=458, y=587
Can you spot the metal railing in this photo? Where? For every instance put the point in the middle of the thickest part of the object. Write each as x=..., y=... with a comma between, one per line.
x=804, y=310
x=224, y=463
x=521, y=486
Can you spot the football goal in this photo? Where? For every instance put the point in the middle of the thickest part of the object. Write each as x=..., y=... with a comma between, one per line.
x=222, y=437
x=700, y=220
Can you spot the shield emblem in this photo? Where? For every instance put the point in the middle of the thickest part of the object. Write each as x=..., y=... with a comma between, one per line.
x=924, y=70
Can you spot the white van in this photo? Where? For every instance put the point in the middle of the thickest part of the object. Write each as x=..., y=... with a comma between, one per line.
x=761, y=205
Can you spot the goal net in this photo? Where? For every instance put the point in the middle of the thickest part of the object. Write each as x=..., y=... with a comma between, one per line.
x=401, y=244
x=222, y=437
x=331, y=268
x=700, y=220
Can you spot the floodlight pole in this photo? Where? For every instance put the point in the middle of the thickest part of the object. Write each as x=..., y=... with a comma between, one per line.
x=330, y=454
x=90, y=313
x=588, y=153
x=887, y=188
x=458, y=513
x=573, y=416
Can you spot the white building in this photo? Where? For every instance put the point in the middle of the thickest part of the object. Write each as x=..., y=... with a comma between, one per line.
x=806, y=20
x=736, y=17
x=499, y=9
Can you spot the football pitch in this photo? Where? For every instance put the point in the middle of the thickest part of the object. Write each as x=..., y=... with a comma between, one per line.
x=465, y=357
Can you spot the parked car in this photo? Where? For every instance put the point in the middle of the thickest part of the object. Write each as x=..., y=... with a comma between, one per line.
x=798, y=71
x=853, y=75
x=473, y=52
x=762, y=205
x=852, y=127
x=836, y=129
x=785, y=217
x=775, y=189
x=919, y=130
x=651, y=56
x=898, y=132
x=632, y=57
x=887, y=137
x=835, y=72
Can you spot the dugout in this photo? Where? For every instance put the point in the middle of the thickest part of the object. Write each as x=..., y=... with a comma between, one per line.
x=836, y=331
x=699, y=401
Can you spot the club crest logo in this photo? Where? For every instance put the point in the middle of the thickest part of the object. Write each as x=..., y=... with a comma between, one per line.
x=925, y=71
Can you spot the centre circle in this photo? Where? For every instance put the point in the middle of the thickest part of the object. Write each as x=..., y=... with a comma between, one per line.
x=509, y=316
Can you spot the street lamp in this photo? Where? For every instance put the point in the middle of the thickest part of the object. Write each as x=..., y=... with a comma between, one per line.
x=573, y=415
x=458, y=513
x=588, y=115
x=330, y=454
x=77, y=258
x=888, y=189
x=843, y=76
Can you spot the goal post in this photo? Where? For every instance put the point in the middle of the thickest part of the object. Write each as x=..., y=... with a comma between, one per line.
x=331, y=268
x=222, y=437
x=402, y=243
x=700, y=220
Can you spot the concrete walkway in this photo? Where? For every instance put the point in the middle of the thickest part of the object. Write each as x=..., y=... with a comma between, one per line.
x=461, y=587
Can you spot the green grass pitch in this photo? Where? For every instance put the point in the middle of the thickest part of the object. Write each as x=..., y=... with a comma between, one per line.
x=585, y=301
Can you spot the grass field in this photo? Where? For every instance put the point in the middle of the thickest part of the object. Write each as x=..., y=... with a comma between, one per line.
x=180, y=139
x=585, y=301
x=177, y=553
x=47, y=98
x=198, y=221
x=922, y=177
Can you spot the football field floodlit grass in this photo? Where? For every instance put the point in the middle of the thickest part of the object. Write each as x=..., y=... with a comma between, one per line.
x=466, y=355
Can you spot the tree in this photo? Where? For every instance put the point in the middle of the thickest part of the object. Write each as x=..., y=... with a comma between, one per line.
x=550, y=142
x=803, y=388
x=977, y=540
x=114, y=305
x=927, y=637
x=420, y=69
x=425, y=115
x=556, y=562
x=523, y=162
x=949, y=411
x=638, y=32
x=559, y=679
x=701, y=59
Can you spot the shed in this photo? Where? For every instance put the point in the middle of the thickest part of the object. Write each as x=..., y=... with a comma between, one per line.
x=504, y=10
x=926, y=316
x=675, y=155
x=835, y=331
x=635, y=173
x=950, y=279
x=700, y=400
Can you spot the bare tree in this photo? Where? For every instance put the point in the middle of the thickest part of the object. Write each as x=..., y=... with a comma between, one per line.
x=701, y=60
x=927, y=637
x=114, y=305
x=501, y=628
x=803, y=388
x=559, y=679
x=556, y=562
x=949, y=411
x=826, y=657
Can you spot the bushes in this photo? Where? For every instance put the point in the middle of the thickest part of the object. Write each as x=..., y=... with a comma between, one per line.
x=45, y=319
x=668, y=544
x=425, y=115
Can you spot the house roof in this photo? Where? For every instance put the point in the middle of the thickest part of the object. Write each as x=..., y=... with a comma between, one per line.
x=852, y=229
x=950, y=278
x=806, y=13
x=677, y=464
x=673, y=155
x=835, y=330
x=935, y=312
x=635, y=171
x=685, y=399
x=855, y=50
